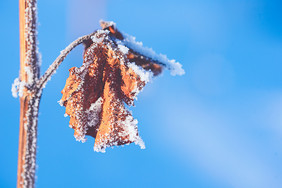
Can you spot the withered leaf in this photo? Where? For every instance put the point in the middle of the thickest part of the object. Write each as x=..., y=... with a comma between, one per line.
x=95, y=94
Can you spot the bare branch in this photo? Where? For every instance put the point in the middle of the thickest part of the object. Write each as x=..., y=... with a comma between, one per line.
x=52, y=69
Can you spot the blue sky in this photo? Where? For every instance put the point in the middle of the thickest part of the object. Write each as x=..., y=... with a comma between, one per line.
x=219, y=125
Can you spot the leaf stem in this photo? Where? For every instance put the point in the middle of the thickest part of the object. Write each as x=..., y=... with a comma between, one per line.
x=55, y=65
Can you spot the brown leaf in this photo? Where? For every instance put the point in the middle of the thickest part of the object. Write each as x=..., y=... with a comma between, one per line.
x=95, y=94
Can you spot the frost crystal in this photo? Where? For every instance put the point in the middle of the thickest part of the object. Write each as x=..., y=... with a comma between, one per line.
x=123, y=49
x=93, y=112
x=18, y=87
x=15, y=87
x=173, y=66
x=145, y=76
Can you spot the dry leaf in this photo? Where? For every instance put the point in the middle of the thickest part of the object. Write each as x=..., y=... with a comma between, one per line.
x=95, y=94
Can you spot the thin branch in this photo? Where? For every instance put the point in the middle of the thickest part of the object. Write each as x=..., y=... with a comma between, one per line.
x=54, y=66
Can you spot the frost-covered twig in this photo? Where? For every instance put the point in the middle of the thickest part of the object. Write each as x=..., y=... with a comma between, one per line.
x=54, y=66
x=29, y=99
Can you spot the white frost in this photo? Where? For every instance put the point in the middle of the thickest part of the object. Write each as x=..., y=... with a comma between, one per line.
x=172, y=65
x=93, y=112
x=107, y=23
x=29, y=74
x=99, y=149
x=96, y=40
x=145, y=76
x=123, y=49
x=130, y=128
x=17, y=88
x=97, y=37
x=61, y=103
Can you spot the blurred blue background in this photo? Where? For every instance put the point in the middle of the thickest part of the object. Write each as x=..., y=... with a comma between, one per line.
x=218, y=126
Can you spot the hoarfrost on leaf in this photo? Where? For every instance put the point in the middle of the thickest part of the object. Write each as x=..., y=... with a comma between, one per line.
x=172, y=65
x=145, y=76
x=96, y=38
x=114, y=70
x=123, y=49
